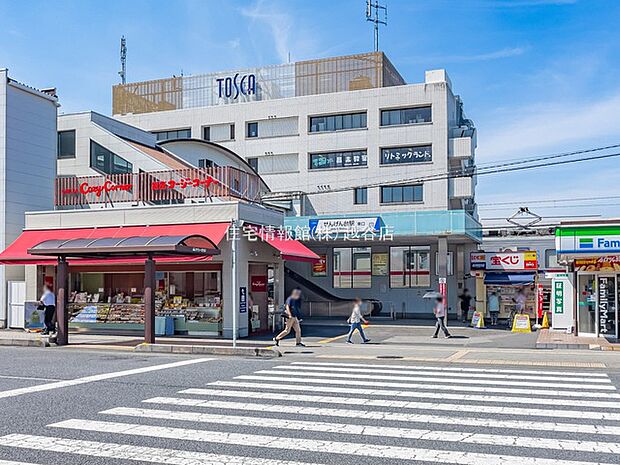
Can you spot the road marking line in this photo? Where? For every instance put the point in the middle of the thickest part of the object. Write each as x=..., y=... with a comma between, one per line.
x=29, y=378
x=401, y=404
x=430, y=379
x=309, y=445
x=366, y=430
x=135, y=453
x=450, y=369
x=421, y=372
x=414, y=394
x=533, y=363
x=529, y=425
x=8, y=462
x=434, y=388
x=100, y=377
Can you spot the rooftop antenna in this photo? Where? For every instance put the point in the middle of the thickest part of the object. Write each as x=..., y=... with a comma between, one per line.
x=123, y=71
x=372, y=15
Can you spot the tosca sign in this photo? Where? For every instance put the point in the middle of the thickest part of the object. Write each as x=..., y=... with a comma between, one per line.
x=233, y=86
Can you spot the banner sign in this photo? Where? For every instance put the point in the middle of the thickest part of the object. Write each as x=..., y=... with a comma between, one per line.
x=397, y=155
x=609, y=263
x=258, y=283
x=344, y=225
x=243, y=300
x=504, y=261
x=558, y=297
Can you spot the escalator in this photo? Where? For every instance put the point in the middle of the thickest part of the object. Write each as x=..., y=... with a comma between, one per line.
x=324, y=303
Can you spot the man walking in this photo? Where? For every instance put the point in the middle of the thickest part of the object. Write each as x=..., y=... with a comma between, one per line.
x=465, y=303
x=440, y=311
x=293, y=314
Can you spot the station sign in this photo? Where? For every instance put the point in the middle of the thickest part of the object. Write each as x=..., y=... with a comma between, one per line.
x=504, y=261
x=345, y=225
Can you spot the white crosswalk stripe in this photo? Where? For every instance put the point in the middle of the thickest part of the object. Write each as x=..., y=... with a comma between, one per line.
x=454, y=369
x=431, y=379
x=364, y=430
x=413, y=394
x=389, y=416
x=369, y=381
x=309, y=445
x=311, y=413
x=445, y=374
x=133, y=453
x=413, y=405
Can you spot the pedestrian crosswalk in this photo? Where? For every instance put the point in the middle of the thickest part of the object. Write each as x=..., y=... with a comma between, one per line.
x=311, y=412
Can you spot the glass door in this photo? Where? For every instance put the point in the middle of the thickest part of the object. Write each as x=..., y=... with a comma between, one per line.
x=607, y=305
x=586, y=306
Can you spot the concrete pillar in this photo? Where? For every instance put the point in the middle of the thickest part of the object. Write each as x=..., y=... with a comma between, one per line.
x=62, y=291
x=442, y=266
x=149, y=300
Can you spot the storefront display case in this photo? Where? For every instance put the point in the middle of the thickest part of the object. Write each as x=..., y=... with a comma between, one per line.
x=115, y=300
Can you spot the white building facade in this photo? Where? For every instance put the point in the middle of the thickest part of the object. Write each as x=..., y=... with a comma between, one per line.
x=27, y=168
x=338, y=140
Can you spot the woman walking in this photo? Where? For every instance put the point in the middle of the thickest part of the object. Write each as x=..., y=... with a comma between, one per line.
x=440, y=312
x=355, y=320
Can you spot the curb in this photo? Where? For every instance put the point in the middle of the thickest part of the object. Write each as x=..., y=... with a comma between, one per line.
x=22, y=342
x=208, y=350
x=551, y=345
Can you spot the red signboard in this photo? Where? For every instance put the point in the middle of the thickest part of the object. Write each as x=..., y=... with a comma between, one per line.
x=183, y=183
x=258, y=283
x=504, y=261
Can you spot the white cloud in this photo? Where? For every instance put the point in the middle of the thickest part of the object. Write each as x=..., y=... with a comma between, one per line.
x=527, y=3
x=549, y=125
x=495, y=55
x=279, y=23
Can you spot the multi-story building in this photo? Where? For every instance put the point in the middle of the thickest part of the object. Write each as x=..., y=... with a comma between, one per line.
x=347, y=147
x=27, y=171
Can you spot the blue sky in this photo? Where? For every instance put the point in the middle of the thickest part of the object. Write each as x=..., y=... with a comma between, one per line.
x=537, y=76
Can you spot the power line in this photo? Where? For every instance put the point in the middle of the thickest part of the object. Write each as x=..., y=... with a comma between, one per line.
x=526, y=202
x=465, y=173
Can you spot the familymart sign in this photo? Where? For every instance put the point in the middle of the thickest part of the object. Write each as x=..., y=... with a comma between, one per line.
x=587, y=240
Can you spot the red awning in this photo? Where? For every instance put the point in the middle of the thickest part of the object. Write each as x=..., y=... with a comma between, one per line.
x=290, y=249
x=17, y=252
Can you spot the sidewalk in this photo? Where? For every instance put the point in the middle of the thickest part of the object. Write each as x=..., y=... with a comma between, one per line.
x=548, y=339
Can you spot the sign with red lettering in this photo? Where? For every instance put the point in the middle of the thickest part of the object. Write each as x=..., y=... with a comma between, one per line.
x=258, y=283
x=183, y=183
x=107, y=186
x=504, y=261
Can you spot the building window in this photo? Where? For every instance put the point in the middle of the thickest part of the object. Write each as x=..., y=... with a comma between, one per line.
x=406, y=116
x=409, y=267
x=360, y=196
x=402, y=194
x=351, y=267
x=101, y=159
x=206, y=133
x=338, y=122
x=253, y=129
x=338, y=159
x=401, y=155
x=205, y=163
x=66, y=144
x=253, y=162
x=450, y=263
x=174, y=134
x=232, y=132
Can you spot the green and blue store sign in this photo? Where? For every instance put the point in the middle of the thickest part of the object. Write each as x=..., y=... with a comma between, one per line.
x=588, y=240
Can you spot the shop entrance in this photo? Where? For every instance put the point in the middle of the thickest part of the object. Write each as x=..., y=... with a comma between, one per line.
x=597, y=307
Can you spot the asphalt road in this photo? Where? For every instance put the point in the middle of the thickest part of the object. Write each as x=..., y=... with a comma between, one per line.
x=68, y=406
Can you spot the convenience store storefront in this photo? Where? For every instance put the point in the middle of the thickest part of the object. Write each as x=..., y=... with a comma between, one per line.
x=195, y=291
x=591, y=253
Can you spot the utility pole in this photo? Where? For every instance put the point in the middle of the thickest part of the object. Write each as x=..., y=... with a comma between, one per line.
x=372, y=15
x=123, y=72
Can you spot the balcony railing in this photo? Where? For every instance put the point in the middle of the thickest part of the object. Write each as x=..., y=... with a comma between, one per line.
x=158, y=187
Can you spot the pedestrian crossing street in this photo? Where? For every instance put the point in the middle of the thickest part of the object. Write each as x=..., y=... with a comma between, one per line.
x=304, y=413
